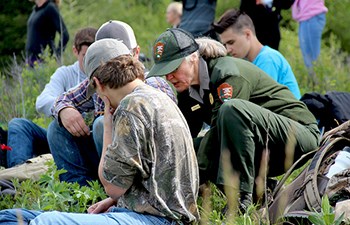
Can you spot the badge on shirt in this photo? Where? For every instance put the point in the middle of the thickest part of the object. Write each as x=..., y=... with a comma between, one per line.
x=211, y=99
x=225, y=92
x=195, y=107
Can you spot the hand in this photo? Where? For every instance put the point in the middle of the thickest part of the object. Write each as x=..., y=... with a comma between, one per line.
x=74, y=122
x=108, y=112
x=101, y=206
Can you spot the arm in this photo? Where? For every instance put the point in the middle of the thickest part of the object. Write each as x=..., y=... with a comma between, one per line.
x=52, y=90
x=58, y=24
x=74, y=98
x=70, y=105
x=113, y=191
x=120, y=160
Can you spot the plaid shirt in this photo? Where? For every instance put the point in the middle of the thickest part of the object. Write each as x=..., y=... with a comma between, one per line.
x=77, y=97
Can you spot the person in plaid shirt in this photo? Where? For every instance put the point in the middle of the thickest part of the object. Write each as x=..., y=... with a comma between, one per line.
x=76, y=143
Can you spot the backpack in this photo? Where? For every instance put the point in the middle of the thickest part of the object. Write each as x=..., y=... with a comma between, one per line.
x=330, y=109
x=293, y=202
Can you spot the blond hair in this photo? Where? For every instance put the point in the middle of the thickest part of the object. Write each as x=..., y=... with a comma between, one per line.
x=209, y=48
x=175, y=7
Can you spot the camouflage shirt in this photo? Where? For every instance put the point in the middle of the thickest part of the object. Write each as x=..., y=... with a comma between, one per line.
x=152, y=156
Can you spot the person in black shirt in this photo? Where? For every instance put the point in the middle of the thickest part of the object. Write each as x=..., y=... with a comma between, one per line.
x=266, y=15
x=42, y=25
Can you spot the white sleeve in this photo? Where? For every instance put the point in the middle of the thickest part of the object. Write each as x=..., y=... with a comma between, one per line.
x=52, y=90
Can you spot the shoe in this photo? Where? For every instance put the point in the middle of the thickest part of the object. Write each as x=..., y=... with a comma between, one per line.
x=245, y=200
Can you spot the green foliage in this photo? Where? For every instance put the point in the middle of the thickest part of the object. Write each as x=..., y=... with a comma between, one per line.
x=20, y=88
x=13, y=20
x=50, y=194
x=326, y=216
x=337, y=21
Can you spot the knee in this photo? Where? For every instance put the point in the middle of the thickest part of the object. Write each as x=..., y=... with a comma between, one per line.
x=18, y=124
x=47, y=218
x=231, y=108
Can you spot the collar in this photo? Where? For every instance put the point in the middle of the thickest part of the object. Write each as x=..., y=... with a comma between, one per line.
x=203, y=81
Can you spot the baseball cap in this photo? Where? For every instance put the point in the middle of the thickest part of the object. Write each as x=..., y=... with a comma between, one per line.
x=170, y=49
x=117, y=30
x=100, y=52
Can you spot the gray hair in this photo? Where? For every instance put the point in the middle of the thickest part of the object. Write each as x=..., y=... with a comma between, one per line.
x=209, y=48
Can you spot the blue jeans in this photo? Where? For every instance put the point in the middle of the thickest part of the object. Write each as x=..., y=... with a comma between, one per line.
x=117, y=216
x=310, y=34
x=77, y=155
x=26, y=139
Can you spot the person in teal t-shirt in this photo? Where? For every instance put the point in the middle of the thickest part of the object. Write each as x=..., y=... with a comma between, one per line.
x=237, y=33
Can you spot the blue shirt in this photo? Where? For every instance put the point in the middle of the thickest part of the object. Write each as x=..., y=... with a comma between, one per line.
x=274, y=64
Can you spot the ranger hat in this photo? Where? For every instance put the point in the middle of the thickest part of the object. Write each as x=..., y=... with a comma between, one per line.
x=170, y=49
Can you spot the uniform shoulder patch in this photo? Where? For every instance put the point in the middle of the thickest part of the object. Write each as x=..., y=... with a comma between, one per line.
x=225, y=91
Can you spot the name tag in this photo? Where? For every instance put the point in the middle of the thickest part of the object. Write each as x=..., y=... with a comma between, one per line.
x=195, y=107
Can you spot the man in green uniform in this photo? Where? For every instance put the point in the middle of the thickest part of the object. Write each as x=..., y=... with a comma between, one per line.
x=246, y=107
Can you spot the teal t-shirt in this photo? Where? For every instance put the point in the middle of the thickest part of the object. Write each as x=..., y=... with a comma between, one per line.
x=274, y=64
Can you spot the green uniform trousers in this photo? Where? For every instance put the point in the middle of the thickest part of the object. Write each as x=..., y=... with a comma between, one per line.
x=242, y=128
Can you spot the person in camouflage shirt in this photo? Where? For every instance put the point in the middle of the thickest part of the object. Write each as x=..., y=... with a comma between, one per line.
x=148, y=165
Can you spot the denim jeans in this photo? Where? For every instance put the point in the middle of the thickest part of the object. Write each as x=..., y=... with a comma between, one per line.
x=310, y=34
x=26, y=139
x=117, y=216
x=77, y=155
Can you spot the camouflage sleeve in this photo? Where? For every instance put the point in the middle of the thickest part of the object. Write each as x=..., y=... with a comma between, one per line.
x=123, y=159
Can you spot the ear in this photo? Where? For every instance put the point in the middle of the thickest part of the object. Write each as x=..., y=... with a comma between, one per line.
x=99, y=86
x=248, y=33
x=75, y=51
x=137, y=52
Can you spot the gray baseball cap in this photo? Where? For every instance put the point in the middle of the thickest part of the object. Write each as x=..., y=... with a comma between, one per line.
x=100, y=52
x=117, y=30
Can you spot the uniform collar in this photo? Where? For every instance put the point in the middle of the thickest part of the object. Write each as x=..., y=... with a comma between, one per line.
x=203, y=81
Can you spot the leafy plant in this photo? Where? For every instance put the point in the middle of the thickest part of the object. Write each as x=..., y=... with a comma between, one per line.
x=50, y=194
x=326, y=216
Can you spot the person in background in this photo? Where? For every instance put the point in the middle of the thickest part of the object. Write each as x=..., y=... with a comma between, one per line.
x=69, y=135
x=197, y=17
x=311, y=16
x=243, y=106
x=26, y=138
x=266, y=16
x=43, y=24
x=148, y=166
x=237, y=33
x=174, y=13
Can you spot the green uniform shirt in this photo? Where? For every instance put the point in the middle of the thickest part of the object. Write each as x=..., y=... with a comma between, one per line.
x=248, y=82
x=152, y=156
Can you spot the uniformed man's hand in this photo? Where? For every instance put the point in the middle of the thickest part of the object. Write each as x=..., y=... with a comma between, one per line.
x=74, y=122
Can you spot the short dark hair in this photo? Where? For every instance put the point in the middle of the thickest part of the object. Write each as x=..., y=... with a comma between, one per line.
x=119, y=71
x=235, y=19
x=85, y=36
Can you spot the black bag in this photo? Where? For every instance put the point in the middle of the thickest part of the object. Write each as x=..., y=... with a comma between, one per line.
x=305, y=192
x=331, y=109
x=3, y=141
